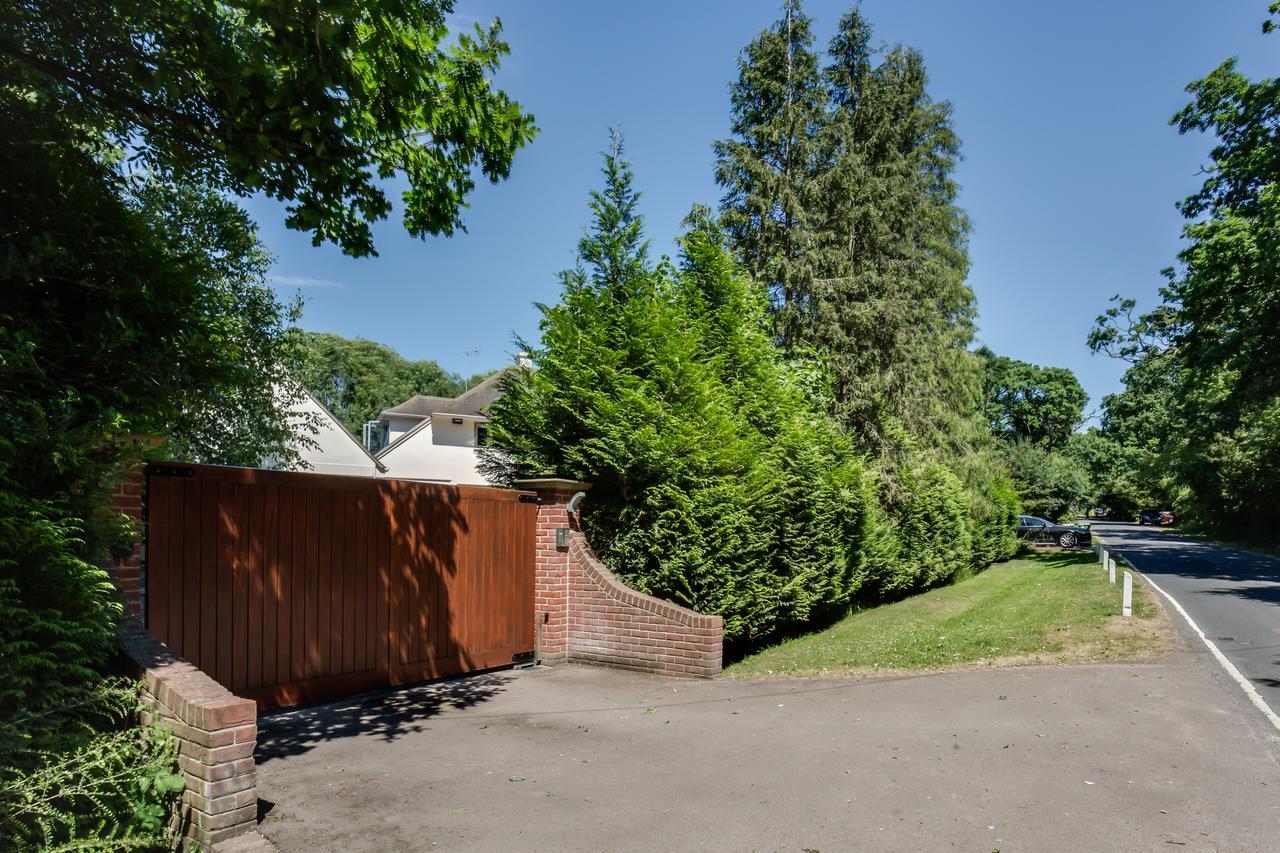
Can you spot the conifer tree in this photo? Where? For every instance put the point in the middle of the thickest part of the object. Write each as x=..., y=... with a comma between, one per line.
x=894, y=310
x=840, y=198
x=769, y=168
x=716, y=483
x=874, y=233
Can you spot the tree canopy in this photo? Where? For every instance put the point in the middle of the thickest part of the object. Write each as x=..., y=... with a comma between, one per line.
x=133, y=301
x=1043, y=405
x=313, y=104
x=356, y=379
x=770, y=168
x=839, y=197
x=1199, y=418
x=719, y=478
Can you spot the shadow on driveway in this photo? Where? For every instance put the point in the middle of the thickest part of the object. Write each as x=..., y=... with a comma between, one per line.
x=1099, y=757
x=386, y=715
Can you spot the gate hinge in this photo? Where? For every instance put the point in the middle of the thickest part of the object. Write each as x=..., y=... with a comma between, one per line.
x=530, y=499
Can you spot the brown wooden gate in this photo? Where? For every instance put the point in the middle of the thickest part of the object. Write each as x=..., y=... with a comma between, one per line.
x=290, y=588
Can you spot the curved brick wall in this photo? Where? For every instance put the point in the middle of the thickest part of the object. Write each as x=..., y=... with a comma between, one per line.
x=585, y=614
x=612, y=624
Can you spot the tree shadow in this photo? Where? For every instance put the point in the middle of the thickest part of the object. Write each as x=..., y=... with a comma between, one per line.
x=1264, y=594
x=1161, y=552
x=291, y=587
x=1060, y=559
x=1266, y=681
x=386, y=715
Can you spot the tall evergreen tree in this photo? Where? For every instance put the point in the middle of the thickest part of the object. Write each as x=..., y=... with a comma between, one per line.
x=894, y=311
x=840, y=198
x=860, y=240
x=769, y=168
x=716, y=483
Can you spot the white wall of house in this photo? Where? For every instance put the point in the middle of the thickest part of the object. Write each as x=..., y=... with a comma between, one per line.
x=455, y=435
x=449, y=457
x=398, y=425
x=335, y=450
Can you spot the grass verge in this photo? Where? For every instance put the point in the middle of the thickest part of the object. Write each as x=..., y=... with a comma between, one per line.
x=1040, y=609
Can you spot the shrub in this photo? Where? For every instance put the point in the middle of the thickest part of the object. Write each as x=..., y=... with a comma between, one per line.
x=76, y=772
x=113, y=791
x=720, y=480
x=718, y=483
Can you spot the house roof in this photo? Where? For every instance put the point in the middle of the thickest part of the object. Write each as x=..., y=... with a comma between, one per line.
x=341, y=427
x=405, y=436
x=472, y=402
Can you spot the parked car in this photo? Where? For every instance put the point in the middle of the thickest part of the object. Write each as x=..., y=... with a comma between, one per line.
x=1034, y=529
x=1155, y=516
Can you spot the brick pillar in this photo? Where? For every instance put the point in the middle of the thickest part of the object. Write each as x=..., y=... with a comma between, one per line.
x=126, y=499
x=216, y=733
x=551, y=584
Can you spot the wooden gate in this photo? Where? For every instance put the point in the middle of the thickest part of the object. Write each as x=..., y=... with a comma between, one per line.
x=290, y=588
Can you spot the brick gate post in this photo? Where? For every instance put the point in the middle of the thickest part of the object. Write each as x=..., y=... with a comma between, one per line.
x=126, y=498
x=126, y=569
x=551, y=584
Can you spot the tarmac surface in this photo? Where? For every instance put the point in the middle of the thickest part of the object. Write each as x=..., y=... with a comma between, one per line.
x=1114, y=757
x=1233, y=595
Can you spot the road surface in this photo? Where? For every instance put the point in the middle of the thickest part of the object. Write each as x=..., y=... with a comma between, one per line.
x=1131, y=758
x=1233, y=595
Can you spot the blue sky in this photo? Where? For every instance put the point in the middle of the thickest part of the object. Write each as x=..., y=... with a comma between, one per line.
x=1070, y=173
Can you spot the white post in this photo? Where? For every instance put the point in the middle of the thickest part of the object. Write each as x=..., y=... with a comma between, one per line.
x=1104, y=558
x=1126, y=607
x=1111, y=571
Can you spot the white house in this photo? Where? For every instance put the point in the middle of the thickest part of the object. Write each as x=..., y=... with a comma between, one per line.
x=435, y=438
x=332, y=449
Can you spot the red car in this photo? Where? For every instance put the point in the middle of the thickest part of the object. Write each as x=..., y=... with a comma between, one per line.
x=1155, y=516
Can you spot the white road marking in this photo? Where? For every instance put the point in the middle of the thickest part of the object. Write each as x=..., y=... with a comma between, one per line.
x=1245, y=684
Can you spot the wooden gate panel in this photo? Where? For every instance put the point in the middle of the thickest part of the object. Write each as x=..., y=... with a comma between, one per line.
x=294, y=587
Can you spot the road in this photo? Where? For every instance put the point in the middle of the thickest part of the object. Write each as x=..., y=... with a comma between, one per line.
x=1233, y=595
x=1106, y=757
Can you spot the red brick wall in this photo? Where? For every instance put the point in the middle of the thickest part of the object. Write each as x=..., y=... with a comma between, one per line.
x=216, y=734
x=584, y=613
x=551, y=580
x=611, y=624
x=126, y=498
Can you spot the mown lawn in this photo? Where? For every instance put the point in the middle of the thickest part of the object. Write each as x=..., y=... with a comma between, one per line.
x=1040, y=609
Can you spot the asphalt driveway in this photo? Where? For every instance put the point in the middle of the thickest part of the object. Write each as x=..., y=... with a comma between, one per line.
x=1141, y=757
x=1233, y=595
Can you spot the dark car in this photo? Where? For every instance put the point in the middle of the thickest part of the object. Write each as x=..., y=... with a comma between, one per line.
x=1034, y=529
x=1155, y=516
